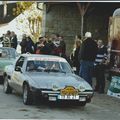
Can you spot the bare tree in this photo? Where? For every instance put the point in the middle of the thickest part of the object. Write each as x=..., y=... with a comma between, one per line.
x=83, y=7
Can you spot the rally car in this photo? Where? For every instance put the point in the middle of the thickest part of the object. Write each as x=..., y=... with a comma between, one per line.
x=48, y=76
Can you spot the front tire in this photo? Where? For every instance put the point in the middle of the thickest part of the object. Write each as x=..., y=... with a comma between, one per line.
x=27, y=95
x=82, y=104
x=6, y=87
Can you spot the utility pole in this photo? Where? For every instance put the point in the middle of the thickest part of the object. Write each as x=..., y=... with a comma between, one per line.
x=82, y=9
x=4, y=8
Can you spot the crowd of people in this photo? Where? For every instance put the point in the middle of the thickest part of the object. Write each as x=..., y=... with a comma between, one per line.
x=90, y=59
x=88, y=56
x=54, y=45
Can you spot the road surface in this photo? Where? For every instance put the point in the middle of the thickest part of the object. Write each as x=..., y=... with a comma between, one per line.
x=102, y=107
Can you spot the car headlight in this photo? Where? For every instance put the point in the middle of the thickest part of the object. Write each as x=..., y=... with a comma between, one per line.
x=81, y=88
x=55, y=87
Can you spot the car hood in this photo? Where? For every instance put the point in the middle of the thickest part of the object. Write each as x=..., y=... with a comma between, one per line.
x=60, y=80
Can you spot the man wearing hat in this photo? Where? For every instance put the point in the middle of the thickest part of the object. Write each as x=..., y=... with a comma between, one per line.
x=87, y=57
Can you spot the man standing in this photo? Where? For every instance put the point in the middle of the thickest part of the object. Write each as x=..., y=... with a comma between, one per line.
x=7, y=39
x=23, y=44
x=87, y=57
x=13, y=40
x=100, y=63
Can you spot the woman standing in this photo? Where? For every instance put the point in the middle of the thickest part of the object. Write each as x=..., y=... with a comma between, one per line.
x=75, y=54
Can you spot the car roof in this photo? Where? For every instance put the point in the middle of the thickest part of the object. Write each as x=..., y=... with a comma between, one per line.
x=51, y=57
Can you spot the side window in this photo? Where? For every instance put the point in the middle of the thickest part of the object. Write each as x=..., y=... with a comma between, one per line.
x=19, y=63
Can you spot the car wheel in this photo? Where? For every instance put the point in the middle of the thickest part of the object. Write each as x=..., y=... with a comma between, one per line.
x=27, y=95
x=82, y=104
x=7, y=89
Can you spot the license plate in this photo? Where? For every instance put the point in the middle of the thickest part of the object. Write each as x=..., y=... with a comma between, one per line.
x=66, y=97
x=82, y=99
x=52, y=98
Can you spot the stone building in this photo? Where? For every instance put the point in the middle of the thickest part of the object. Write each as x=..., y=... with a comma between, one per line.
x=65, y=19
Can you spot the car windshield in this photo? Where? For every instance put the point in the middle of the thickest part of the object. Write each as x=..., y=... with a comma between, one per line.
x=7, y=53
x=48, y=66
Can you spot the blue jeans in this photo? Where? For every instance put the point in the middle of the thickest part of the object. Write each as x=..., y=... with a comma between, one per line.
x=86, y=69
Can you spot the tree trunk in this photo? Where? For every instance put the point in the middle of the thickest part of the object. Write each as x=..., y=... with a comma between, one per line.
x=82, y=9
x=82, y=25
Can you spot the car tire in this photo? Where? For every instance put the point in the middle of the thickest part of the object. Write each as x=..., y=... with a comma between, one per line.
x=27, y=95
x=82, y=104
x=6, y=87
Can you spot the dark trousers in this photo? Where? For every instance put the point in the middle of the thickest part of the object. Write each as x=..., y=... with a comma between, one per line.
x=86, y=70
x=100, y=78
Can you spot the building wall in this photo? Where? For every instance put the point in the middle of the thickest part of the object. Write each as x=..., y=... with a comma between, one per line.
x=64, y=18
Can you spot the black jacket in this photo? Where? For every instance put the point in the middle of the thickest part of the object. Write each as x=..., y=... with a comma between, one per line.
x=88, y=50
x=14, y=42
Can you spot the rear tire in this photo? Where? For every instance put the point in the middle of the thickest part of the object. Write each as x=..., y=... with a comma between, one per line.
x=27, y=95
x=6, y=87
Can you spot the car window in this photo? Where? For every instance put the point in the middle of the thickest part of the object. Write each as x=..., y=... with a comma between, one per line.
x=66, y=67
x=19, y=63
x=13, y=53
x=47, y=66
x=7, y=53
x=4, y=53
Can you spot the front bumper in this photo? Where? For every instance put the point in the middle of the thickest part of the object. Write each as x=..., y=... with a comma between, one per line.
x=51, y=95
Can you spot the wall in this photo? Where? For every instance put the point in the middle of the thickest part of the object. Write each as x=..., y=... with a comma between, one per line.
x=64, y=18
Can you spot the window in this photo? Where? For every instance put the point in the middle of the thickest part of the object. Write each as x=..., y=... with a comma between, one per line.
x=19, y=63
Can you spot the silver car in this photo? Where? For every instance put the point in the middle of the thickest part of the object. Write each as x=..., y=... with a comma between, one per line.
x=50, y=77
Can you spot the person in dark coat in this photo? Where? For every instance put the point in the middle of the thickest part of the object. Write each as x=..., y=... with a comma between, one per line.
x=29, y=45
x=39, y=46
x=87, y=57
x=23, y=44
x=62, y=47
x=49, y=47
x=13, y=40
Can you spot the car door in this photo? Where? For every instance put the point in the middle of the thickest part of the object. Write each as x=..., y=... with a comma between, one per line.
x=18, y=75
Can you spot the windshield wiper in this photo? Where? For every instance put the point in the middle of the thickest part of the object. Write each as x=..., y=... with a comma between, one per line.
x=51, y=70
x=54, y=70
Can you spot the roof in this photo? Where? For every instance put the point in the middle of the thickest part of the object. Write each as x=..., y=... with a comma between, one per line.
x=46, y=57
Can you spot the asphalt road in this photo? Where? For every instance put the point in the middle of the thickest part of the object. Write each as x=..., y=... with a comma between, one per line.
x=102, y=107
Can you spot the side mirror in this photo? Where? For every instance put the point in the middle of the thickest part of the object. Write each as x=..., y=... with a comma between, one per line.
x=74, y=69
x=18, y=68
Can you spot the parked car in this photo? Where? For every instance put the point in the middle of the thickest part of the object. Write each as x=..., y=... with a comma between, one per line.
x=51, y=77
x=7, y=57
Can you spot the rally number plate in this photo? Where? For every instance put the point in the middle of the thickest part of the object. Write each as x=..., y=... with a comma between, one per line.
x=66, y=97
